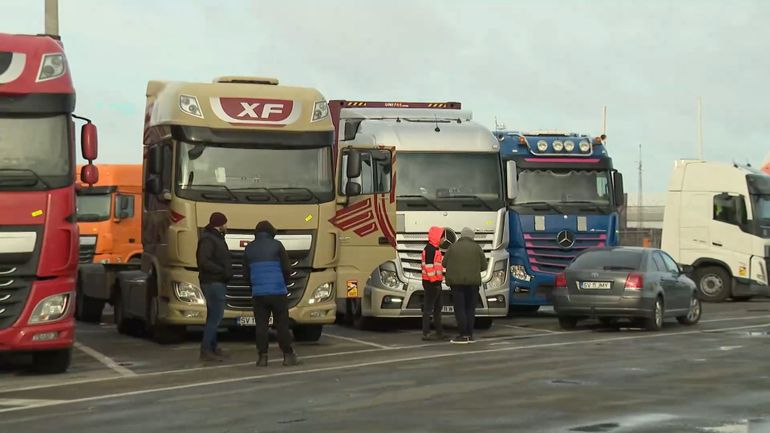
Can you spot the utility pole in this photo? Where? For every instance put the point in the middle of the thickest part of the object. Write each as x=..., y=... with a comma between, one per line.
x=52, y=17
x=641, y=202
x=604, y=121
x=700, y=128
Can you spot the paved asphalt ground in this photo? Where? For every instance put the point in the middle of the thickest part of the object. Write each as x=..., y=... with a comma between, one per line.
x=524, y=374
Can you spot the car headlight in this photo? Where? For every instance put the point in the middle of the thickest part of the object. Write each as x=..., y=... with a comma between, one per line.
x=520, y=273
x=189, y=104
x=542, y=145
x=558, y=146
x=189, y=293
x=569, y=145
x=51, y=66
x=585, y=146
x=50, y=309
x=320, y=110
x=390, y=279
x=322, y=293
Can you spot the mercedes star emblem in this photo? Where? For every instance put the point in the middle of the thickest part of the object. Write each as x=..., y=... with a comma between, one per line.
x=565, y=239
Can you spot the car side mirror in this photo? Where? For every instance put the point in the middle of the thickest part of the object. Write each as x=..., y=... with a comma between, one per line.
x=620, y=195
x=354, y=165
x=352, y=189
x=512, y=181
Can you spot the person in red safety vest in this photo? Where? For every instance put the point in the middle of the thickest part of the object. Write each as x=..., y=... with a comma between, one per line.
x=432, y=277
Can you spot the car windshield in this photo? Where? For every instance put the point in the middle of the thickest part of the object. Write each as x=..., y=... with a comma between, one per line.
x=93, y=207
x=208, y=172
x=588, y=189
x=34, y=152
x=608, y=260
x=448, y=181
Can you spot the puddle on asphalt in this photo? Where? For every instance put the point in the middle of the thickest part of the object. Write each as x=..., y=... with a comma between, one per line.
x=597, y=428
x=292, y=421
x=566, y=382
x=758, y=333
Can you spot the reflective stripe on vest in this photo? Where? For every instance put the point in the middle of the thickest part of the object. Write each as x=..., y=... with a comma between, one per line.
x=435, y=272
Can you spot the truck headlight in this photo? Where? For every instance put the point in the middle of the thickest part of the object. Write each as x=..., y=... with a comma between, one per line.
x=320, y=110
x=498, y=279
x=189, y=104
x=50, y=309
x=390, y=279
x=188, y=293
x=758, y=271
x=322, y=293
x=52, y=66
x=520, y=273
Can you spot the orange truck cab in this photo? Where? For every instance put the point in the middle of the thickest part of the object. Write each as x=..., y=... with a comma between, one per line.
x=109, y=218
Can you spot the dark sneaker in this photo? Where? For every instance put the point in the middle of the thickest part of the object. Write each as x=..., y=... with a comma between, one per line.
x=427, y=337
x=461, y=340
x=262, y=361
x=207, y=356
x=290, y=359
x=221, y=353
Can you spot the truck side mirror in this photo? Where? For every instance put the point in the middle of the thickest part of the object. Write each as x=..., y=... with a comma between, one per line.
x=352, y=189
x=512, y=180
x=351, y=129
x=89, y=174
x=354, y=165
x=153, y=185
x=155, y=160
x=620, y=195
x=88, y=142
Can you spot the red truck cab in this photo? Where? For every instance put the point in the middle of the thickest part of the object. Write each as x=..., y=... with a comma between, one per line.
x=38, y=225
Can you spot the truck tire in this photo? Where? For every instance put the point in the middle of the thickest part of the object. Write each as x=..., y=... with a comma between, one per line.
x=307, y=333
x=126, y=325
x=51, y=362
x=87, y=309
x=654, y=322
x=482, y=323
x=361, y=322
x=568, y=323
x=713, y=283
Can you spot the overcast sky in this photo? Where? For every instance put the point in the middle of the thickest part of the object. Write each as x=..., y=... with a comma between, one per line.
x=532, y=64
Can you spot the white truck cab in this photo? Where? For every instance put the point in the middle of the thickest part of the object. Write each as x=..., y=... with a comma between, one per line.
x=717, y=220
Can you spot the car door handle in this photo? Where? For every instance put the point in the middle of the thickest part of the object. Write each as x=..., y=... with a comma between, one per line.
x=716, y=244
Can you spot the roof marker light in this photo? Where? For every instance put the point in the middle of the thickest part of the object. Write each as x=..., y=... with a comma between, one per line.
x=558, y=146
x=585, y=146
x=542, y=145
x=569, y=145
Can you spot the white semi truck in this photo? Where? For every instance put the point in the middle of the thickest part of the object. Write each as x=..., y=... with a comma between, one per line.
x=717, y=220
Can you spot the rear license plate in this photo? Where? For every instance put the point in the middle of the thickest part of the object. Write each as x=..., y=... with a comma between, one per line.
x=249, y=321
x=596, y=285
x=448, y=309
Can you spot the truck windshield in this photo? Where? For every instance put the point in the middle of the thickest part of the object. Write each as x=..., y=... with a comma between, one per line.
x=34, y=152
x=93, y=207
x=587, y=190
x=212, y=172
x=448, y=181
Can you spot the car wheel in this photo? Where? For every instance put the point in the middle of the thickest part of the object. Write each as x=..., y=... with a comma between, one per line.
x=655, y=321
x=693, y=315
x=52, y=362
x=713, y=283
x=568, y=323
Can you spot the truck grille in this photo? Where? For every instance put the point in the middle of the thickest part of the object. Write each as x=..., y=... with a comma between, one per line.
x=418, y=298
x=238, y=295
x=410, y=246
x=546, y=255
x=13, y=296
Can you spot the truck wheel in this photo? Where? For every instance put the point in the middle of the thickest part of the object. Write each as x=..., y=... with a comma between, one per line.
x=307, y=333
x=568, y=323
x=693, y=315
x=654, y=322
x=125, y=324
x=713, y=283
x=88, y=309
x=483, y=323
x=52, y=362
x=361, y=322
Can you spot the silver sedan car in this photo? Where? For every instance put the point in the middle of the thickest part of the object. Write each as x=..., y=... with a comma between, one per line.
x=642, y=284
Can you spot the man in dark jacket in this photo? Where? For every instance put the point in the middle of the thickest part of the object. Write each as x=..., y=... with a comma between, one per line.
x=214, y=271
x=266, y=266
x=432, y=276
x=464, y=262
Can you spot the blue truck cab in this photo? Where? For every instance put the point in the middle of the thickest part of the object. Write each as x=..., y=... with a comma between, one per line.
x=563, y=198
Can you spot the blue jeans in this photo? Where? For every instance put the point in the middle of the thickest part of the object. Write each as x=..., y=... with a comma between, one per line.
x=215, y=310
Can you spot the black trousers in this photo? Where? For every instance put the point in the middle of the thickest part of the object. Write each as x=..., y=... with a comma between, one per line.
x=464, y=299
x=432, y=306
x=278, y=306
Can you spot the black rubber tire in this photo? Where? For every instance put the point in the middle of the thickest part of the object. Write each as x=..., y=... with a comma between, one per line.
x=51, y=362
x=307, y=333
x=483, y=323
x=609, y=322
x=361, y=322
x=126, y=325
x=654, y=322
x=568, y=323
x=88, y=309
x=702, y=275
x=689, y=319
x=742, y=298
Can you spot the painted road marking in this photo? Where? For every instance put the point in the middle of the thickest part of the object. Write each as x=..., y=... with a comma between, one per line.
x=357, y=341
x=354, y=366
x=104, y=359
x=528, y=328
x=26, y=403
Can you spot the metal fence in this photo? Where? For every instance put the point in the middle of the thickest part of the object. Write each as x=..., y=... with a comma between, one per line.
x=641, y=237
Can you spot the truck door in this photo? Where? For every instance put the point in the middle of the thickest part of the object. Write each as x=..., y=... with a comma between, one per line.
x=728, y=241
x=366, y=216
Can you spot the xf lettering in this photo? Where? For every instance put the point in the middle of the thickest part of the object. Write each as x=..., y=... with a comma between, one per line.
x=251, y=110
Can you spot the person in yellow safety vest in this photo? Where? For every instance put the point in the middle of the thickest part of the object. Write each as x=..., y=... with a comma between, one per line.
x=432, y=277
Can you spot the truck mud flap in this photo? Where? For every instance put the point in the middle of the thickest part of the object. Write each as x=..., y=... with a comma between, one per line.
x=133, y=293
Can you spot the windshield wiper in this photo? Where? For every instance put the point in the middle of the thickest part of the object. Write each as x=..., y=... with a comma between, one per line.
x=229, y=191
x=541, y=203
x=32, y=172
x=273, y=195
x=475, y=197
x=309, y=191
x=425, y=199
x=593, y=205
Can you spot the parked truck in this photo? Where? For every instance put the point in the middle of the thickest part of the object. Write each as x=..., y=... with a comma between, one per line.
x=717, y=220
x=563, y=198
x=253, y=150
x=38, y=228
x=109, y=216
x=449, y=174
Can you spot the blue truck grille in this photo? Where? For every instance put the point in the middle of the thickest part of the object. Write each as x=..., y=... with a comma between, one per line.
x=546, y=255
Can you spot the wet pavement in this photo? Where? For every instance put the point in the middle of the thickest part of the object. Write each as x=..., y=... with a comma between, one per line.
x=524, y=374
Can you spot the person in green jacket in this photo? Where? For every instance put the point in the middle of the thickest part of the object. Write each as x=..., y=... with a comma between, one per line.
x=464, y=262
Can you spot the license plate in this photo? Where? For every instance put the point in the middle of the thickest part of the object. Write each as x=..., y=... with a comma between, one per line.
x=448, y=309
x=603, y=285
x=249, y=321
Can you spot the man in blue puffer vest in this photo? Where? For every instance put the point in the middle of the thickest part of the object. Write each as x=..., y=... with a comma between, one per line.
x=266, y=265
